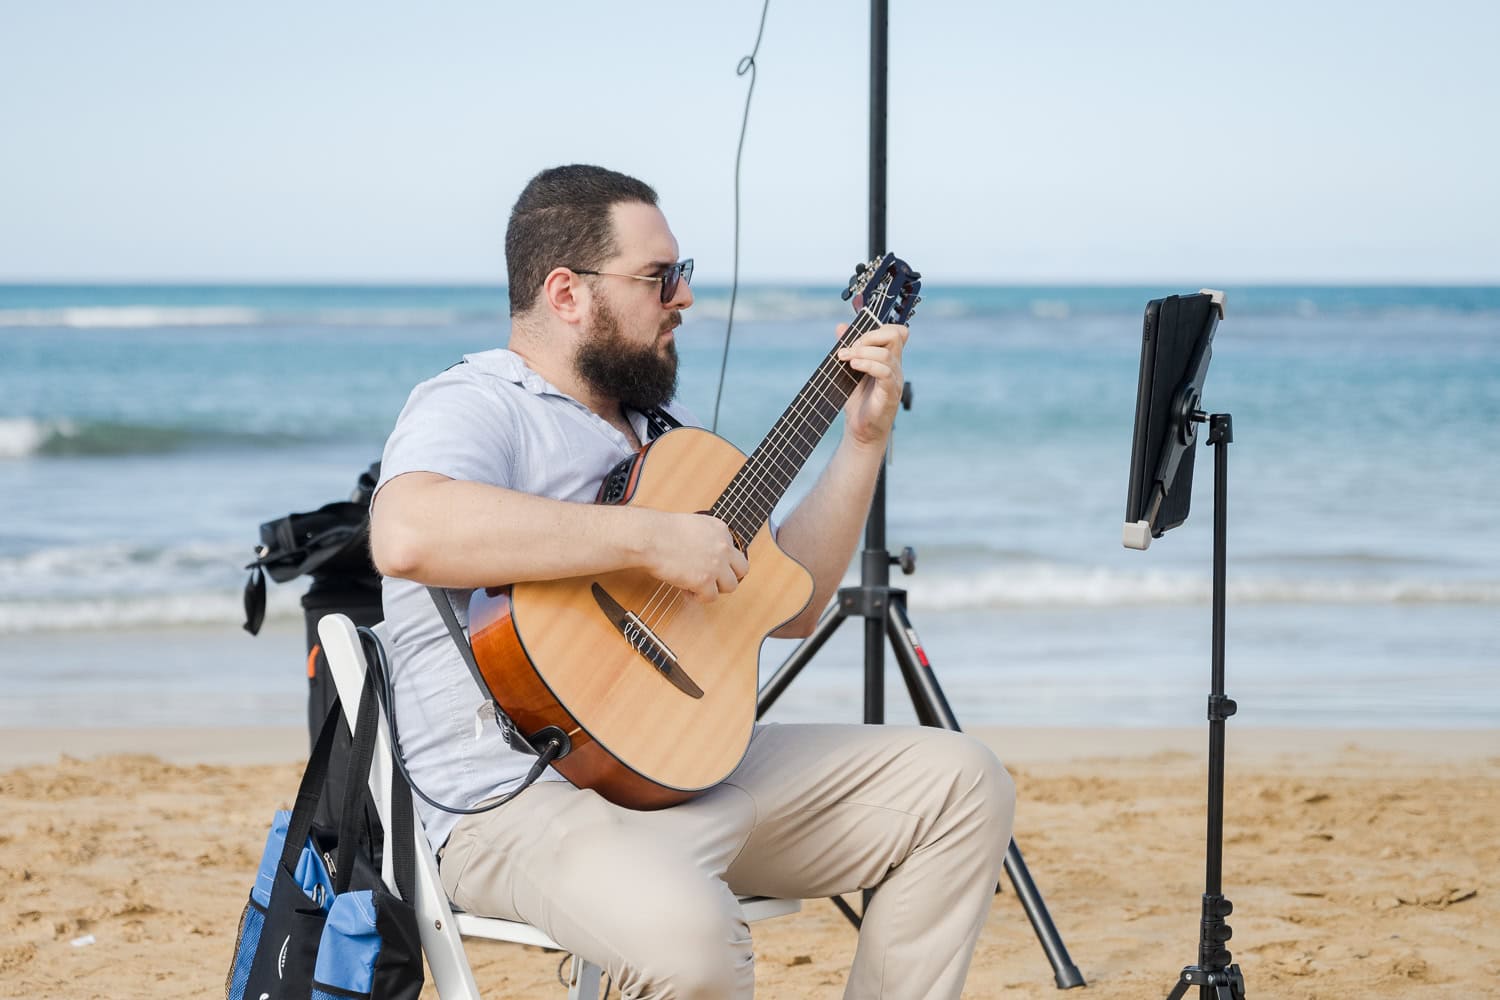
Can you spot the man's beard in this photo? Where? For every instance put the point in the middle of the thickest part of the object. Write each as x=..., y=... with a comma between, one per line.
x=613, y=365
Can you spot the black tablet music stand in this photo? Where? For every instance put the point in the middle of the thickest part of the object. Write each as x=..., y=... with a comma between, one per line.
x=1176, y=344
x=883, y=607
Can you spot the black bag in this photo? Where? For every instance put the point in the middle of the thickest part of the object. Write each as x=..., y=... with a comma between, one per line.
x=320, y=922
x=331, y=545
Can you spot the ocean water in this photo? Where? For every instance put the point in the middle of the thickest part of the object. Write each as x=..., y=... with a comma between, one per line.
x=146, y=432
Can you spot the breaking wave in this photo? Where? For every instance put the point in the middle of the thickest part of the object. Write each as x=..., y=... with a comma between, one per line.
x=1046, y=586
x=159, y=317
x=26, y=437
x=128, y=587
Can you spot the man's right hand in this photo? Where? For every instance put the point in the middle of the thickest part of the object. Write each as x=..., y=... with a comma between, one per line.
x=695, y=553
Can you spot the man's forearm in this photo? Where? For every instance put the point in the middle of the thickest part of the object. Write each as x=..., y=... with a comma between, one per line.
x=823, y=530
x=448, y=533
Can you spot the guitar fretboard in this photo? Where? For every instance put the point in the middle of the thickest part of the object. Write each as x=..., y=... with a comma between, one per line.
x=762, y=481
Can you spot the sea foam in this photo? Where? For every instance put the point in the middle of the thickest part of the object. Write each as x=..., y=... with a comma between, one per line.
x=1051, y=586
x=23, y=436
x=121, y=586
x=164, y=317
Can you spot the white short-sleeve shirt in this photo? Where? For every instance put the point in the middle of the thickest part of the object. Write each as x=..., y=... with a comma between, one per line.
x=490, y=420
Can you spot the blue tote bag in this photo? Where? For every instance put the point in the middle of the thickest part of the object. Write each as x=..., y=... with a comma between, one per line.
x=320, y=922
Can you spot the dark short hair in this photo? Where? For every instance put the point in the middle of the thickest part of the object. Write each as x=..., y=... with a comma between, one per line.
x=562, y=220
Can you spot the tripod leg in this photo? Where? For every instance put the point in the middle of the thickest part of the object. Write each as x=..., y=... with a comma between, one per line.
x=1063, y=969
x=931, y=704
x=793, y=664
x=927, y=697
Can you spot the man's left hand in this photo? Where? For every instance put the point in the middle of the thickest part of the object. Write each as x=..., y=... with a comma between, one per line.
x=871, y=409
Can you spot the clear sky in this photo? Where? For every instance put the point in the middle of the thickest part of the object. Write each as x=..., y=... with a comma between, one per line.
x=1051, y=142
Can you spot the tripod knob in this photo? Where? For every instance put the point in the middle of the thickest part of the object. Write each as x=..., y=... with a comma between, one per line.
x=907, y=560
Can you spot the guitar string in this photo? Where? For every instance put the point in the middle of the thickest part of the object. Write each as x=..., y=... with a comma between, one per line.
x=817, y=392
x=824, y=379
x=737, y=498
x=830, y=368
x=771, y=463
x=654, y=617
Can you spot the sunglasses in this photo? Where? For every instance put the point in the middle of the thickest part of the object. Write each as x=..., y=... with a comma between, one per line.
x=681, y=271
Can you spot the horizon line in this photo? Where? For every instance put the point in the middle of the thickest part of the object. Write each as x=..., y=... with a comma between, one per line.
x=801, y=282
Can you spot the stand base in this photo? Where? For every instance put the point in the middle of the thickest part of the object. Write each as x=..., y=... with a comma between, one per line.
x=1217, y=984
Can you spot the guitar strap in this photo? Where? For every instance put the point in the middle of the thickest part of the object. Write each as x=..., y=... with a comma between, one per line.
x=556, y=741
x=514, y=738
x=658, y=422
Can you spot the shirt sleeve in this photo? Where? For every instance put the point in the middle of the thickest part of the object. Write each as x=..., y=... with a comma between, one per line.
x=455, y=427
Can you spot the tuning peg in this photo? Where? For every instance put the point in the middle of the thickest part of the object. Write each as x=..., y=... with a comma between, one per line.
x=847, y=294
x=916, y=275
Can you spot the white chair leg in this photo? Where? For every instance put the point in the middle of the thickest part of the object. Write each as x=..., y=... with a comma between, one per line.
x=583, y=980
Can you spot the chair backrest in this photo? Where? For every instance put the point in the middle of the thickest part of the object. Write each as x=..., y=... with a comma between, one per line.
x=440, y=936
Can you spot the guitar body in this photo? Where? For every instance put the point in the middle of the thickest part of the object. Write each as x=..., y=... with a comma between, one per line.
x=552, y=656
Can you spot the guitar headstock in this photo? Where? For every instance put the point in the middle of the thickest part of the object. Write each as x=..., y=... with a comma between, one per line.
x=887, y=286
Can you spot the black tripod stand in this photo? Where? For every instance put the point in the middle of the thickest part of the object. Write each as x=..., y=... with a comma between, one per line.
x=1214, y=976
x=883, y=607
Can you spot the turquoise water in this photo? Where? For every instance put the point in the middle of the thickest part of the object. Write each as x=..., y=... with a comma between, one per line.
x=145, y=432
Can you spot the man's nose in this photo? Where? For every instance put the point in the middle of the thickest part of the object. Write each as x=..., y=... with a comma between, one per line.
x=682, y=298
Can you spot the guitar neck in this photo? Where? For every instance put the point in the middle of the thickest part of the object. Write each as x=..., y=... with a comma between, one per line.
x=746, y=504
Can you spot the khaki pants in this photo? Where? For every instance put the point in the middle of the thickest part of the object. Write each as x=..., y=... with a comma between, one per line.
x=812, y=811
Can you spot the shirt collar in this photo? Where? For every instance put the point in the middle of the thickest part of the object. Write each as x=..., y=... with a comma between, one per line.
x=513, y=368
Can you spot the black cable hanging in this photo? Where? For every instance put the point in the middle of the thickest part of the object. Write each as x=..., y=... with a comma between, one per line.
x=746, y=65
x=376, y=663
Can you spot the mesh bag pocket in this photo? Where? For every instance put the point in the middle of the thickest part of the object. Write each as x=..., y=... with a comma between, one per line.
x=246, y=940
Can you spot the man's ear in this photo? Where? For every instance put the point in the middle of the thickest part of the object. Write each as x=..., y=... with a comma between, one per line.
x=565, y=295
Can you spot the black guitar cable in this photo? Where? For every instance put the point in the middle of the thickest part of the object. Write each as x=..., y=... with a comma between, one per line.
x=746, y=65
x=378, y=664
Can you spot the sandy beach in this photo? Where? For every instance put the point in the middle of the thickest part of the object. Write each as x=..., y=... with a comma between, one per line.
x=1361, y=863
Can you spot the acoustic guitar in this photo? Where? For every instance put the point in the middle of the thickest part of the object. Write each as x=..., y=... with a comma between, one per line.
x=655, y=690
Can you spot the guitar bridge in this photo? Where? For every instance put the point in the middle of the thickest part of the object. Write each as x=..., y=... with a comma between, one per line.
x=646, y=642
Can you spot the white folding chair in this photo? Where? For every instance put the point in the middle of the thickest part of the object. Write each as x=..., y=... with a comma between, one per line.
x=443, y=927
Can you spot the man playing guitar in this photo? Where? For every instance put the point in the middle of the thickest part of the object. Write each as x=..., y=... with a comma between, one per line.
x=488, y=478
